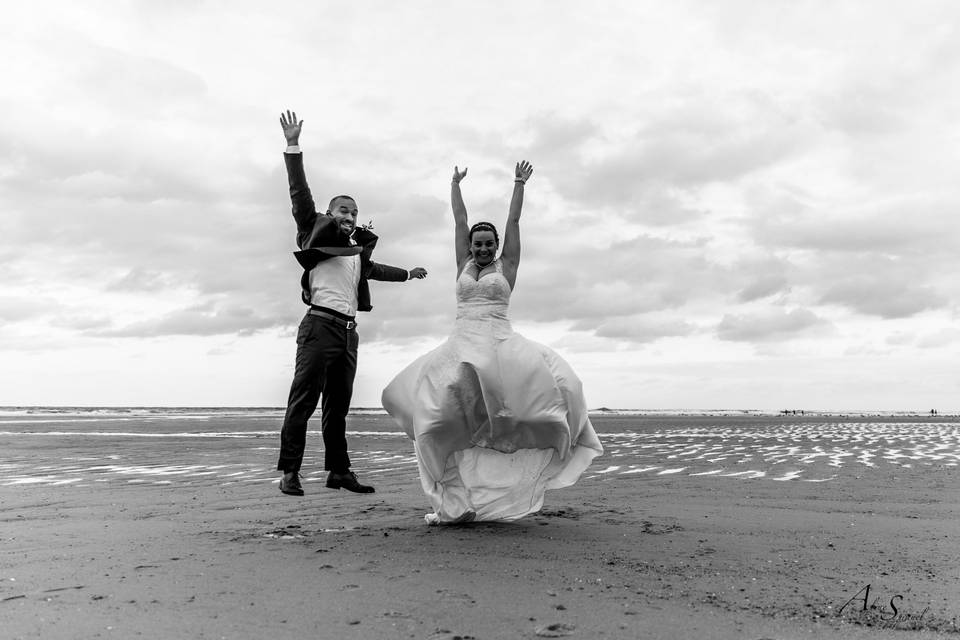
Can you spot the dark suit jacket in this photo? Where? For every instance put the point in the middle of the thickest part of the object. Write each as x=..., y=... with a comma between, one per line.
x=319, y=239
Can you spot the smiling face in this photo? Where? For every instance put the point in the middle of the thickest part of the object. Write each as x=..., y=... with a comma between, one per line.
x=483, y=247
x=343, y=209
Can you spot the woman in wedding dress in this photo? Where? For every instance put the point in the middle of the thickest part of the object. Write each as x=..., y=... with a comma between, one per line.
x=496, y=419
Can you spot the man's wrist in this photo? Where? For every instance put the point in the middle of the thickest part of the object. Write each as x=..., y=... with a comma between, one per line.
x=293, y=147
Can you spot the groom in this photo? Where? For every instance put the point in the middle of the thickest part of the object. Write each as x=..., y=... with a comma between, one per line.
x=335, y=256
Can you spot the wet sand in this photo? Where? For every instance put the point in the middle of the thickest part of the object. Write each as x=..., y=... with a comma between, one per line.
x=754, y=527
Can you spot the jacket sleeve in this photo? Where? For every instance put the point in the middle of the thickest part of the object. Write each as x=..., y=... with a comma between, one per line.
x=304, y=209
x=377, y=271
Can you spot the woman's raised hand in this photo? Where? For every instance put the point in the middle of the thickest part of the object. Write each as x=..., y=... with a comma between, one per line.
x=524, y=171
x=459, y=175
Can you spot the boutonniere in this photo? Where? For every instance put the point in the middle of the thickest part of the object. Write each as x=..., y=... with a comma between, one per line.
x=368, y=226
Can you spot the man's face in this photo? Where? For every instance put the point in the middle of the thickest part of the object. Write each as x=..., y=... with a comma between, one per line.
x=344, y=211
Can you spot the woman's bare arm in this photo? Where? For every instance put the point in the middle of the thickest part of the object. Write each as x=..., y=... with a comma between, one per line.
x=510, y=256
x=460, y=228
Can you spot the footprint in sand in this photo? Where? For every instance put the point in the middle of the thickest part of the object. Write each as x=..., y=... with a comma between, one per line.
x=443, y=634
x=555, y=630
x=659, y=528
x=283, y=534
x=559, y=513
x=461, y=598
x=395, y=614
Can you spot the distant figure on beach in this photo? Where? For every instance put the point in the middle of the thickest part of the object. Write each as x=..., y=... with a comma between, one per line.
x=496, y=419
x=336, y=260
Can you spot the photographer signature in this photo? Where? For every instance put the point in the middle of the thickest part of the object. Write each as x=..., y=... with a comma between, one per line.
x=888, y=615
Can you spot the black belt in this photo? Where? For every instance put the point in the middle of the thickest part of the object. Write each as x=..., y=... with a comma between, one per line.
x=346, y=324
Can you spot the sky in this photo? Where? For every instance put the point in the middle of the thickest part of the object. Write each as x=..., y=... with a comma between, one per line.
x=734, y=205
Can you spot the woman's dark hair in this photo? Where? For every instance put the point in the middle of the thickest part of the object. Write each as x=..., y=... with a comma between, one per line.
x=483, y=226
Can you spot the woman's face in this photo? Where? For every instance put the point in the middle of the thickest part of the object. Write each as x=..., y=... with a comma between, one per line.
x=483, y=247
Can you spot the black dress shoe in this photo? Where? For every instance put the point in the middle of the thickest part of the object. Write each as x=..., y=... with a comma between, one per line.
x=347, y=481
x=290, y=484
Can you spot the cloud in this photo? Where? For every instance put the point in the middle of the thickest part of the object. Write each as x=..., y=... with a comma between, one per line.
x=142, y=279
x=82, y=321
x=882, y=297
x=762, y=286
x=19, y=309
x=890, y=258
x=699, y=140
x=861, y=101
x=637, y=330
x=935, y=339
x=206, y=319
x=938, y=339
x=765, y=327
x=635, y=275
x=77, y=70
x=400, y=327
x=555, y=135
x=899, y=228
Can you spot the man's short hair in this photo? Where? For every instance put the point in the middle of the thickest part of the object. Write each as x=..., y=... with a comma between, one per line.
x=335, y=198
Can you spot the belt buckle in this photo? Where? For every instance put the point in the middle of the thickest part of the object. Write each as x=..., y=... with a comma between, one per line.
x=351, y=325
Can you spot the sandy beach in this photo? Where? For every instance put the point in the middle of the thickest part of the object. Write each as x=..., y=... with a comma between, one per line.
x=172, y=526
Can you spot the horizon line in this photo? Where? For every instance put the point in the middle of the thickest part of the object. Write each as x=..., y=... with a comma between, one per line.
x=602, y=409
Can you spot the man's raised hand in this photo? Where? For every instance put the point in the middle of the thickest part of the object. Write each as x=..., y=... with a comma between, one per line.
x=459, y=175
x=291, y=127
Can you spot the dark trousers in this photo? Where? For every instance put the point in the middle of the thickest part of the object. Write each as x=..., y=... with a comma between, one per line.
x=326, y=366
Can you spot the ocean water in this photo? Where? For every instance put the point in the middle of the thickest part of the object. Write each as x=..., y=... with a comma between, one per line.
x=81, y=446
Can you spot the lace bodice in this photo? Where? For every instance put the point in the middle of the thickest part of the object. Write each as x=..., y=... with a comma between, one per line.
x=484, y=301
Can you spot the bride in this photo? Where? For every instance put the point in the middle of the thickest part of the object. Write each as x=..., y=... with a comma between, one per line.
x=496, y=419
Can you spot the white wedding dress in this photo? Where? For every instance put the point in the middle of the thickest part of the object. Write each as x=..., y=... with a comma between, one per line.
x=496, y=418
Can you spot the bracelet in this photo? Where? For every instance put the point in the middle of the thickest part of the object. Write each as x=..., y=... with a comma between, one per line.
x=520, y=181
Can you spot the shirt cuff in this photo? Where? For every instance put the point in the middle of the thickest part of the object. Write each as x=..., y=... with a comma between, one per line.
x=293, y=148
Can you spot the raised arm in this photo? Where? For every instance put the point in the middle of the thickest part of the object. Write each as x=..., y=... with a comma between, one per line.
x=291, y=127
x=461, y=240
x=304, y=209
x=510, y=256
